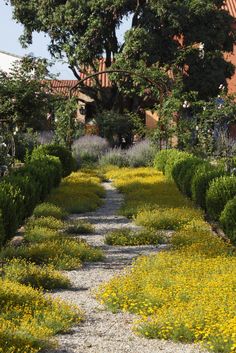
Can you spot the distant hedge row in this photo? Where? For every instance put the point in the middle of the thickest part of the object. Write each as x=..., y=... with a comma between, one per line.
x=208, y=186
x=29, y=185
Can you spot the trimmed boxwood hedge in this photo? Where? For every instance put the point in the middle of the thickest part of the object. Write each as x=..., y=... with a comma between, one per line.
x=67, y=161
x=26, y=186
x=221, y=190
x=201, y=181
x=228, y=219
x=183, y=172
x=161, y=159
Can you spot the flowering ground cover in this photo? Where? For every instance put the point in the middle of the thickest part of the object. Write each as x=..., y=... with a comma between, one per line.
x=188, y=293
x=79, y=192
x=29, y=318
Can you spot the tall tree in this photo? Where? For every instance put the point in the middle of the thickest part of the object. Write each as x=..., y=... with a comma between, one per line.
x=187, y=36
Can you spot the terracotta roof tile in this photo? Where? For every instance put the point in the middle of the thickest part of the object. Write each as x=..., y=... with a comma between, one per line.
x=230, y=5
x=103, y=78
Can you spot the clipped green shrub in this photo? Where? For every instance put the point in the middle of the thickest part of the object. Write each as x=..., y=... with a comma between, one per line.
x=47, y=209
x=161, y=159
x=29, y=190
x=175, y=157
x=21, y=271
x=201, y=180
x=46, y=171
x=221, y=190
x=183, y=172
x=228, y=219
x=67, y=161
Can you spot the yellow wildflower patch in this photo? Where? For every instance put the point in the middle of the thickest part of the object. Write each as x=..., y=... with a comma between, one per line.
x=188, y=293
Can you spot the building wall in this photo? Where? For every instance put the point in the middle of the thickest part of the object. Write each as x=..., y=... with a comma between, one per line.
x=7, y=60
x=232, y=82
x=151, y=119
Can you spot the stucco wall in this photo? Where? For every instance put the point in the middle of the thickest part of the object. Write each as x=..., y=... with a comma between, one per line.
x=6, y=61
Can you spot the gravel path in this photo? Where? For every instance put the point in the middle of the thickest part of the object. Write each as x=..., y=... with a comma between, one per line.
x=102, y=331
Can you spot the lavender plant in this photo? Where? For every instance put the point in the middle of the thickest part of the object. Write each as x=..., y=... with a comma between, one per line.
x=142, y=154
x=88, y=149
x=115, y=156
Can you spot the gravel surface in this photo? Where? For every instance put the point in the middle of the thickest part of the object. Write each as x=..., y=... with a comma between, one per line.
x=102, y=331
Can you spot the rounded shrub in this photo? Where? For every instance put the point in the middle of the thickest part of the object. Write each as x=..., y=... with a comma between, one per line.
x=228, y=219
x=175, y=157
x=183, y=173
x=201, y=180
x=161, y=159
x=29, y=190
x=47, y=171
x=221, y=190
x=65, y=156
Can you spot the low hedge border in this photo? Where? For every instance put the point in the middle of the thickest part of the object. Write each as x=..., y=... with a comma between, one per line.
x=210, y=187
x=24, y=188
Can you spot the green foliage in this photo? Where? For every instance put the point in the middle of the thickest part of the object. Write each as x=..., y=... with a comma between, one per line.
x=29, y=191
x=175, y=157
x=67, y=127
x=79, y=227
x=214, y=116
x=27, y=273
x=228, y=219
x=24, y=101
x=2, y=230
x=128, y=237
x=10, y=218
x=201, y=181
x=46, y=170
x=162, y=158
x=6, y=142
x=83, y=31
x=20, y=191
x=25, y=142
x=63, y=254
x=221, y=190
x=64, y=155
x=184, y=171
x=47, y=209
x=115, y=127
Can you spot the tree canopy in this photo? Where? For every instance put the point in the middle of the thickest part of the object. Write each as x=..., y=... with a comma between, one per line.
x=24, y=95
x=184, y=36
